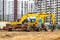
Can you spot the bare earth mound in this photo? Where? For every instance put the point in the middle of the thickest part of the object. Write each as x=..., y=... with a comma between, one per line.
x=29, y=35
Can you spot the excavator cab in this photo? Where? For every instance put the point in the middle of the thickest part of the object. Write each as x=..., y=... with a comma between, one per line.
x=32, y=20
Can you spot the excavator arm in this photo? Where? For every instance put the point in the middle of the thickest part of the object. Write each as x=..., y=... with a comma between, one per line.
x=42, y=16
x=52, y=18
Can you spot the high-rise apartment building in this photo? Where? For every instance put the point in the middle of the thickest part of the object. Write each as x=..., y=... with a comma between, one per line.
x=1, y=9
x=21, y=7
x=58, y=11
x=47, y=6
x=25, y=6
x=15, y=9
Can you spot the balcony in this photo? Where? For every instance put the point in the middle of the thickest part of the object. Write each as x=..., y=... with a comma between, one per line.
x=58, y=2
x=58, y=11
x=58, y=17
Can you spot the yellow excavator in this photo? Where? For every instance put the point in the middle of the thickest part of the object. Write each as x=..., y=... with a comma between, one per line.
x=23, y=24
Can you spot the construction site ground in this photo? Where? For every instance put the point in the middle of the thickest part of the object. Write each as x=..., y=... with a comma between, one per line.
x=22, y=35
x=19, y=35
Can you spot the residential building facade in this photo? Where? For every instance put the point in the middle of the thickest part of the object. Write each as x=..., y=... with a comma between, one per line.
x=47, y=6
x=16, y=7
x=1, y=9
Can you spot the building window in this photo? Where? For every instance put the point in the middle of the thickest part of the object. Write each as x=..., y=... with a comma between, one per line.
x=22, y=4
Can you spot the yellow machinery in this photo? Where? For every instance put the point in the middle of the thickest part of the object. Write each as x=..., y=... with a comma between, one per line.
x=29, y=25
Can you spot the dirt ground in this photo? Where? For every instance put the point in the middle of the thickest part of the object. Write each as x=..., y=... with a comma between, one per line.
x=4, y=35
